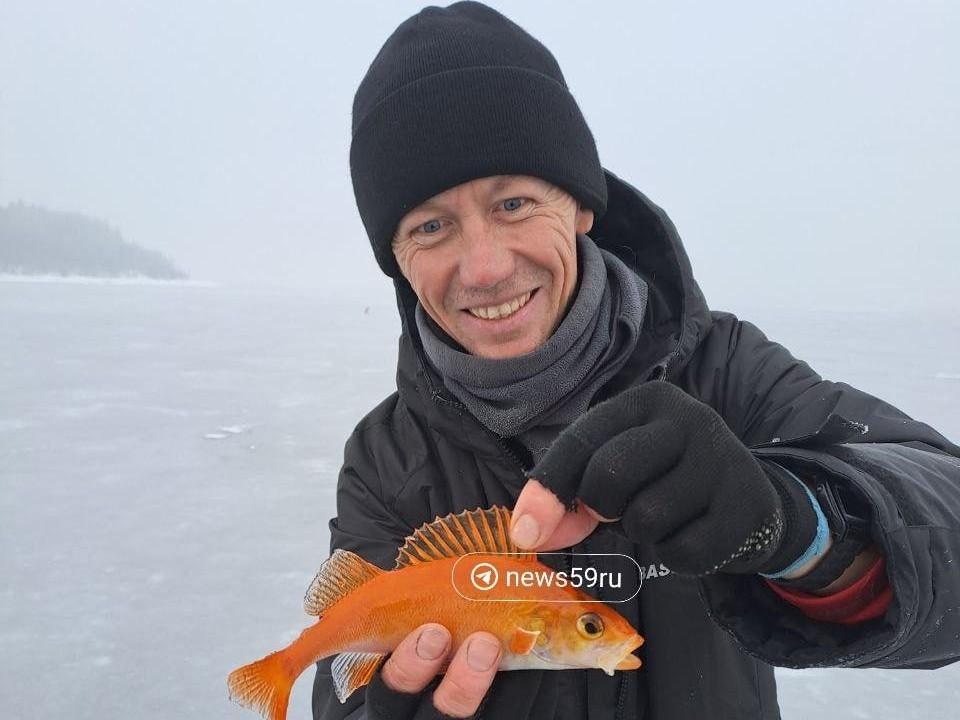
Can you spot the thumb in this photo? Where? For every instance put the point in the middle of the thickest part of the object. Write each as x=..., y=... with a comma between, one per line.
x=541, y=522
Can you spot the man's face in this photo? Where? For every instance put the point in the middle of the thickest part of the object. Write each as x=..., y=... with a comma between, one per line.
x=494, y=261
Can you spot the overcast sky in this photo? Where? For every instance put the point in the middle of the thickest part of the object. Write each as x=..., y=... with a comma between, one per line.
x=808, y=152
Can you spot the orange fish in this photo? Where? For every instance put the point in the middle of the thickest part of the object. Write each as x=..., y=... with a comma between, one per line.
x=365, y=612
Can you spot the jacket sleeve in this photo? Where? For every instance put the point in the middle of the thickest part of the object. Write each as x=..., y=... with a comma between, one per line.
x=904, y=472
x=367, y=526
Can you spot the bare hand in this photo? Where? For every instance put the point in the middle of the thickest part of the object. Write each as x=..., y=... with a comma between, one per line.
x=421, y=655
x=541, y=522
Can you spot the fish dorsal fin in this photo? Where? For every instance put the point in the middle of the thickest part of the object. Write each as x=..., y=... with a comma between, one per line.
x=480, y=530
x=353, y=670
x=342, y=573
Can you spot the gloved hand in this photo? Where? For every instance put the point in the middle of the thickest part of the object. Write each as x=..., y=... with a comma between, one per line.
x=403, y=688
x=669, y=470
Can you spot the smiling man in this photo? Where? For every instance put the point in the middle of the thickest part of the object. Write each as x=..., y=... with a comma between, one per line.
x=494, y=261
x=558, y=357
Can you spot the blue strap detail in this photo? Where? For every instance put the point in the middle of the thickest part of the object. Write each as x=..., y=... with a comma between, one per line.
x=819, y=540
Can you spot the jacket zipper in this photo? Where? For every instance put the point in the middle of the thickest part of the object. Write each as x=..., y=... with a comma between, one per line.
x=508, y=451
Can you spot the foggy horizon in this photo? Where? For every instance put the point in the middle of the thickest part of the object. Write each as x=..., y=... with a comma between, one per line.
x=808, y=155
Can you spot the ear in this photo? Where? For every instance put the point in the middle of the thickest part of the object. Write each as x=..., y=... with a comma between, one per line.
x=584, y=220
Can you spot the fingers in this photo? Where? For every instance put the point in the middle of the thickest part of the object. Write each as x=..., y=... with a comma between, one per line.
x=573, y=528
x=541, y=522
x=626, y=463
x=469, y=676
x=562, y=467
x=598, y=464
x=536, y=515
x=417, y=659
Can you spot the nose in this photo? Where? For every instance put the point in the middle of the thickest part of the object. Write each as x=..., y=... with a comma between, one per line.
x=485, y=259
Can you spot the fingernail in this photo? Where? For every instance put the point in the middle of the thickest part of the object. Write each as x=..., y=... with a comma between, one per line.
x=481, y=654
x=525, y=531
x=432, y=643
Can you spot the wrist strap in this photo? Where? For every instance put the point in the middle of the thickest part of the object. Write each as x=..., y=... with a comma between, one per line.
x=819, y=542
x=850, y=533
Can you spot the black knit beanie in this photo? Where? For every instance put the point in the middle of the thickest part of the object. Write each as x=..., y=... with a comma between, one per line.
x=455, y=94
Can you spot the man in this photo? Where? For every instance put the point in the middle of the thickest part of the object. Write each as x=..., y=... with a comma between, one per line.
x=557, y=357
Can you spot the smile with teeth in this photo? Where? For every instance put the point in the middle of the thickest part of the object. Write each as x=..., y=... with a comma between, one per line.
x=505, y=310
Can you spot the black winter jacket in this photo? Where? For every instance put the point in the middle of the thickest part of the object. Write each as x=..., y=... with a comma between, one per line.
x=711, y=642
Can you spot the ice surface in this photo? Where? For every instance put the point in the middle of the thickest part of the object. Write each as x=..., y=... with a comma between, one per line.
x=233, y=429
x=141, y=562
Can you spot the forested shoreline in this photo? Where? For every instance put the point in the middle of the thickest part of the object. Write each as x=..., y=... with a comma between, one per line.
x=38, y=241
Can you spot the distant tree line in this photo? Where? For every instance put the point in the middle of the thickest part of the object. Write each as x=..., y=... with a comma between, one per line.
x=34, y=240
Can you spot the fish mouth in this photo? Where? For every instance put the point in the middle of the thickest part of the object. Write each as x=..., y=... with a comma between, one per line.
x=621, y=657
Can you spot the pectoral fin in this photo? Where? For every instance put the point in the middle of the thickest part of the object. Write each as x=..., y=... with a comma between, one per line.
x=522, y=641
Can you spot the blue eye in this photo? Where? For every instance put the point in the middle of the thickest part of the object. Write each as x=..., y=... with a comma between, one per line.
x=430, y=226
x=513, y=204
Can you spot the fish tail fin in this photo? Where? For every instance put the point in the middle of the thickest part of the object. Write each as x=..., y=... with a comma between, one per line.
x=264, y=685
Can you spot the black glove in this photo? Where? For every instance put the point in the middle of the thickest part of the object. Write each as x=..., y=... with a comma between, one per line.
x=517, y=694
x=668, y=467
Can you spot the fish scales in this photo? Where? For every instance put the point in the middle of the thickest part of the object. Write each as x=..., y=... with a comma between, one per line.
x=365, y=612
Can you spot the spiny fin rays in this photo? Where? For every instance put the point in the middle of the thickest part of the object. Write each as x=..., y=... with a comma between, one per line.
x=484, y=530
x=342, y=573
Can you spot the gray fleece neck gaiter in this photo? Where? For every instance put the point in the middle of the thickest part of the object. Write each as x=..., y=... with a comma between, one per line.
x=552, y=385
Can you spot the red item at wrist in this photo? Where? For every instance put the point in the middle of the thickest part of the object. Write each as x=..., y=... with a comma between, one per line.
x=866, y=599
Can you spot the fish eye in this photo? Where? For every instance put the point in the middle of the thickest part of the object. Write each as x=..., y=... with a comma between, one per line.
x=590, y=626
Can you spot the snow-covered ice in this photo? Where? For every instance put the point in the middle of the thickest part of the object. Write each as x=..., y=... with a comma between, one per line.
x=142, y=561
x=233, y=429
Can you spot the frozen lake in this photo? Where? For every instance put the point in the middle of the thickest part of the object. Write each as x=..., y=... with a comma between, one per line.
x=168, y=460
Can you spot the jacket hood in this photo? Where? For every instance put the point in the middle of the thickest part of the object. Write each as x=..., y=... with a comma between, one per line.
x=644, y=238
